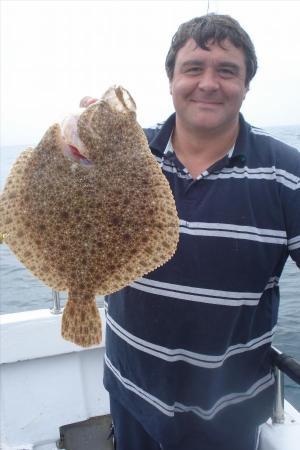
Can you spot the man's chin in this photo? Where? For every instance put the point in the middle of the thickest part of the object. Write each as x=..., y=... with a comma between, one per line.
x=206, y=125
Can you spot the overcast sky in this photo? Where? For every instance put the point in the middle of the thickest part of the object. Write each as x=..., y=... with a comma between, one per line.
x=55, y=52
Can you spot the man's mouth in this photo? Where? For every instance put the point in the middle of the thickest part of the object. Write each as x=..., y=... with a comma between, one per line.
x=206, y=102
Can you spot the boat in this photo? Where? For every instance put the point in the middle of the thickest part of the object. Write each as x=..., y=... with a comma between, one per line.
x=52, y=394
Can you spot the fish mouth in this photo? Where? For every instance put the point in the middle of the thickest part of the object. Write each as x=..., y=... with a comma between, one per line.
x=119, y=99
x=72, y=146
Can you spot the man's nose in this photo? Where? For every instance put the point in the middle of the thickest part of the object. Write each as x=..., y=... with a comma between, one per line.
x=208, y=81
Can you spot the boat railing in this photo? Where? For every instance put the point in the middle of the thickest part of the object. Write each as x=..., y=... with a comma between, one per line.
x=56, y=308
x=282, y=364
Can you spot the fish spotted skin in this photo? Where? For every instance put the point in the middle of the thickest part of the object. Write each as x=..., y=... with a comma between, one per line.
x=90, y=229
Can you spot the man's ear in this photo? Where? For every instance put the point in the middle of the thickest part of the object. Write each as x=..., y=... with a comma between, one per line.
x=247, y=90
x=170, y=87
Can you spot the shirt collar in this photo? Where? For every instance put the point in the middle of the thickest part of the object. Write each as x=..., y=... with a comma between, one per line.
x=169, y=150
x=161, y=140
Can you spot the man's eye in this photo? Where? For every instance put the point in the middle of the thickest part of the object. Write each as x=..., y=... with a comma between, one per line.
x=226, y=72
x=193, y=70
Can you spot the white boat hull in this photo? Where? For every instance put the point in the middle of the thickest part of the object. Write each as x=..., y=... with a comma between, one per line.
x=47, y=382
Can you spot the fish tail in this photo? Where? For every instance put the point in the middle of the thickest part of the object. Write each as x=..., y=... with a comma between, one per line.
x=81, y=321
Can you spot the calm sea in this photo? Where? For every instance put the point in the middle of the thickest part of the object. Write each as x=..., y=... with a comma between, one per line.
x=20, y=291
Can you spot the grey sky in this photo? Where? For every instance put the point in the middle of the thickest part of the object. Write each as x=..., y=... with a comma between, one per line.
x=55, y=52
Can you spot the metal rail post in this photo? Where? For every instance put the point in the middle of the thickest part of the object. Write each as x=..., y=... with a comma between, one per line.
x=56, y=309
x=278, y=408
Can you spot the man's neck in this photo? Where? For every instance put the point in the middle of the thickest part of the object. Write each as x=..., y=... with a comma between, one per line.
x=198, y=149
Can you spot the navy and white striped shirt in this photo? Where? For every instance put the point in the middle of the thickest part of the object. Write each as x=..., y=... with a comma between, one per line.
x=193, y=337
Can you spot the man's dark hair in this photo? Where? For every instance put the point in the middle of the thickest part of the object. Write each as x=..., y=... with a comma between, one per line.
x=217, y=28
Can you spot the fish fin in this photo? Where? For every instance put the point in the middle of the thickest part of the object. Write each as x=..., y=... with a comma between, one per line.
x=81, y=321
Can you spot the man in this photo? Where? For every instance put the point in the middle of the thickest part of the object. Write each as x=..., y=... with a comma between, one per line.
x=188, y=346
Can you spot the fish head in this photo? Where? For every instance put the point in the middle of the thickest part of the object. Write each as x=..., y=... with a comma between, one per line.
x=95, y=132
x=104, y=125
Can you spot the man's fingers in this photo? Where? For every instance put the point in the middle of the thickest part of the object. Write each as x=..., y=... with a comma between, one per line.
x=87, y=101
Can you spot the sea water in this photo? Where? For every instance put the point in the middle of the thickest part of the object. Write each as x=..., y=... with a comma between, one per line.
x=21, y=291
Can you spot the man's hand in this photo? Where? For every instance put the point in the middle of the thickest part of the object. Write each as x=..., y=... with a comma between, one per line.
x=87, y=101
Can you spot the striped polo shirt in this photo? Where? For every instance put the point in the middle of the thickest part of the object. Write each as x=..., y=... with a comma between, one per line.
x=191, y=339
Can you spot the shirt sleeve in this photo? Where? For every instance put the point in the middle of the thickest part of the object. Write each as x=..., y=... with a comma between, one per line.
x=291, y=208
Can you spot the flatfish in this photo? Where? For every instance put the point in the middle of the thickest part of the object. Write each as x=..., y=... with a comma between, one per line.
x=89, y=211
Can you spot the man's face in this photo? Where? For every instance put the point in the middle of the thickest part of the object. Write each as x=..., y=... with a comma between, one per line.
x=208, y=87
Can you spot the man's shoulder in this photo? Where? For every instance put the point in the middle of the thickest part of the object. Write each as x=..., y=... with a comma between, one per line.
x=266, y=145
x=152, y=131
x=271, y=139
x=159, y=134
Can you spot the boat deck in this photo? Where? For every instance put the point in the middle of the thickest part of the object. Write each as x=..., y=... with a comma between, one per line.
x=91, y=434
